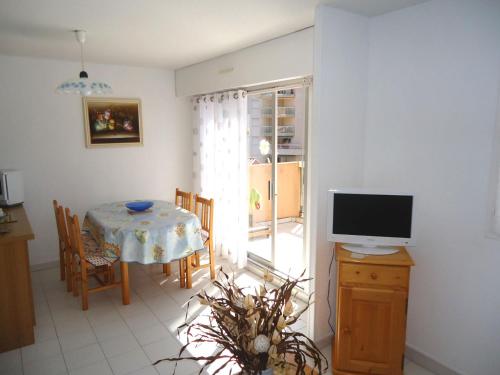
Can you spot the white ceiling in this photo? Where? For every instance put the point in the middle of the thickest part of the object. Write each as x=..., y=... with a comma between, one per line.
x=163, y=33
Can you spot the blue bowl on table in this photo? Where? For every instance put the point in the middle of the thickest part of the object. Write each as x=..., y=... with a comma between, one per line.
x=139, y=206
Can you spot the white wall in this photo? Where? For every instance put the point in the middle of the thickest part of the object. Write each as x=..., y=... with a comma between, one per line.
x=433, y=96
x=290, y=56
x=42, y=134
x=336, y=133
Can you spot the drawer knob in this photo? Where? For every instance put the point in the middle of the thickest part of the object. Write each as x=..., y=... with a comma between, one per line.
x=374, y=276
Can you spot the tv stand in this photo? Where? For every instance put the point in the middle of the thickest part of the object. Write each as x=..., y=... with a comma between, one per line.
x=370, y=250
x=371, y=307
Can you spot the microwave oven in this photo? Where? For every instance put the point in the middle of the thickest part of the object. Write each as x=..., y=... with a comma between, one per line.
x=11, y=187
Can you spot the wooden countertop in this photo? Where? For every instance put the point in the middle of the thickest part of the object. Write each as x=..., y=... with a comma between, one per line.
x=401, y=258
x=19, y=230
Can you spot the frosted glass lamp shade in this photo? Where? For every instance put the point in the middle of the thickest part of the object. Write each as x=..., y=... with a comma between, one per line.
x=84, y=87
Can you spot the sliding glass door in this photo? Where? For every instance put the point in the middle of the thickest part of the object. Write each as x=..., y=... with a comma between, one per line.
x=261, y=171
x=277, y=122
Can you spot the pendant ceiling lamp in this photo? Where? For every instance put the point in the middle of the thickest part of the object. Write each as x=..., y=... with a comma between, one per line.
x=82, y=85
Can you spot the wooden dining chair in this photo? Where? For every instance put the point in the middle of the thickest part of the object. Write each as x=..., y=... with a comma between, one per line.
x=88, y=259
x=185, y=200
x=64, y=245
x=204, y=209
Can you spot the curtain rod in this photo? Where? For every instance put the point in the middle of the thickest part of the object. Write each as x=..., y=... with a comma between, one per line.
x=197, y=98
x=305, y=82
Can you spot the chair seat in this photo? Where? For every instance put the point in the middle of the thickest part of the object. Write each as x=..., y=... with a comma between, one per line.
x=94, y=253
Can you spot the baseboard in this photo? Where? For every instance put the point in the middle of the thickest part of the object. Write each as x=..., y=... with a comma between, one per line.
x=44, y=266
x=426, y=361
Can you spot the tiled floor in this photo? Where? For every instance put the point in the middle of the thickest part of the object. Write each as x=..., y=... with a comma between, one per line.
x=111, y=338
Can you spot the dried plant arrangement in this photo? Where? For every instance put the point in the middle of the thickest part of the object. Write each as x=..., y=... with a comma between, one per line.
x=251, y=330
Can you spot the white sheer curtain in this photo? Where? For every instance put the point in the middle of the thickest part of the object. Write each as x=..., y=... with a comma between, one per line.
x=220, y=167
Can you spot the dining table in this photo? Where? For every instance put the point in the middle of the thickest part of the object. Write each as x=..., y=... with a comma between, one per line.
x=160, y=234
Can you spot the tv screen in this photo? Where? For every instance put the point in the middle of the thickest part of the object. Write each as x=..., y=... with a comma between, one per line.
x=374, y=215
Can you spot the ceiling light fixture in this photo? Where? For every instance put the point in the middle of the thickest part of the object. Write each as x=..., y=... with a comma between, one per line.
x=82, y=85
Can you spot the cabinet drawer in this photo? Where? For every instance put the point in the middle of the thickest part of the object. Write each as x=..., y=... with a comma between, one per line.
x=374, y=275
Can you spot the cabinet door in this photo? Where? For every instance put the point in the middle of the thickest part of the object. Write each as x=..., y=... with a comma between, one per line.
x=371, y=330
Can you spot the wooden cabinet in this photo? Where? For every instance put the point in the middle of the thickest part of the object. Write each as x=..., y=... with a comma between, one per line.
x=17, y=314
x=372, y=300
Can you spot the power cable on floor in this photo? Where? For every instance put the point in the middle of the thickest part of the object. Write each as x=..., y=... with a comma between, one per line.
x=332, y=327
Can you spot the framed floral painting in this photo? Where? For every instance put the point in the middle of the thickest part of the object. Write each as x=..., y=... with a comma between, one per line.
x=112, y=121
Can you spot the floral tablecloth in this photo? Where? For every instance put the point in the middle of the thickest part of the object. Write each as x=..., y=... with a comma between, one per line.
x=162, y=234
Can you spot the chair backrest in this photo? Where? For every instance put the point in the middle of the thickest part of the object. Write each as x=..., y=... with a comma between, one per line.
x=183, y=199
x=204, y=209
x=64, y=227
x=58, y=224
x=62, y=231
x=74, y=234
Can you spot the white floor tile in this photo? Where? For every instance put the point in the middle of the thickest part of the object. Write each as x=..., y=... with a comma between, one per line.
x=149, y=290
x=41, y=307
x=119, y=345
x=40, y=350
x=47, y=366
x=44, y=320
x=135, y=308
x=164, y=307
x=149, y=370
x=110, y=330
x=10, y=362
x=44, y=332
x=84, y=356
x=77, y=339
x=98, y=368
x=68, y=326
x=183, y=367
x=412, y=368
x=167, y=347
x=109, y=314
x=173, y=325
x=151, y=334
x=128, y=362
x=12, y=371
x=139, y=322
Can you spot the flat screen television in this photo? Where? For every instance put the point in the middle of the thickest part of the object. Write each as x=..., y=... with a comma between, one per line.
x=371, y=222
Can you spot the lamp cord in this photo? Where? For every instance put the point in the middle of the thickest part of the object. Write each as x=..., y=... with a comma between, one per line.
x=81, y=55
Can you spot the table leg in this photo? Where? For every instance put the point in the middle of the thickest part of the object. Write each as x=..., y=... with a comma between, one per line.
x=125, y=283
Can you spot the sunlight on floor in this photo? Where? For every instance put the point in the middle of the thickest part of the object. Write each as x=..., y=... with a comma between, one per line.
x=289, y=248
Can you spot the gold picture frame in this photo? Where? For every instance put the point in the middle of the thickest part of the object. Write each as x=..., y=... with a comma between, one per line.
x=112, y=122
